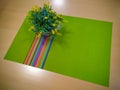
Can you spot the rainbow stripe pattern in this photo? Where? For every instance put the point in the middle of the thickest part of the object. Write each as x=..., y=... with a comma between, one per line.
x=39, y=50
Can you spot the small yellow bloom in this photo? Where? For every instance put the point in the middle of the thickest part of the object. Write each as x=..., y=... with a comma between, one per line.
x=39, y=34
x=53, y=24
x=58, y=15
x=32, y=27
x=35, y=8
x=53, y=32
x=49, y=4
x=45, y=17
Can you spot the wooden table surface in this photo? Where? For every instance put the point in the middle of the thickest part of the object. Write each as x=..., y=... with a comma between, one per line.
x=15, y=76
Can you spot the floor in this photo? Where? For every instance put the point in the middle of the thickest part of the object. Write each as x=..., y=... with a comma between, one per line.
x=15, y=76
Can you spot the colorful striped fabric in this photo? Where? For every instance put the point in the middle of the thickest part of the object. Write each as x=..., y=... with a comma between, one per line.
x=39, y=50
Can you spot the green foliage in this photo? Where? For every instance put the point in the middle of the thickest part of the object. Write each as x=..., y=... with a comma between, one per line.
x=45, y=20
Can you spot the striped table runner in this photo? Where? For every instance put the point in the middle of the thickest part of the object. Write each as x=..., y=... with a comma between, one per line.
x=39, y=50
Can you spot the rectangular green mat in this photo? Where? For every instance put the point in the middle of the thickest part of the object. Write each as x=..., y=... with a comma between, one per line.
x=83, y=50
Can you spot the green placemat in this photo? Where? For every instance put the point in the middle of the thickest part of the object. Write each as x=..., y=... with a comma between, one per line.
x=83, y=50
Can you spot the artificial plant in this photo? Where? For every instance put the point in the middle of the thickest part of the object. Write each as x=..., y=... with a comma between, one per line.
x=45, y=20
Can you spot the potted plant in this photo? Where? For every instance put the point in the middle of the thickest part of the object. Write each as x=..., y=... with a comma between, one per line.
x=45, y=20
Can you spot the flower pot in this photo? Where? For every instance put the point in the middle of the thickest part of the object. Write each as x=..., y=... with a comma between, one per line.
x=46, y=33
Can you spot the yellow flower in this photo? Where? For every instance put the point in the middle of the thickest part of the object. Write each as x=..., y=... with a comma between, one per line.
x=32, y=27
x=53, y=32
x=53, y=24
x=39, y=34
x=35, y=8
x=58, y=15
x=45, y=17
x=49, y=4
